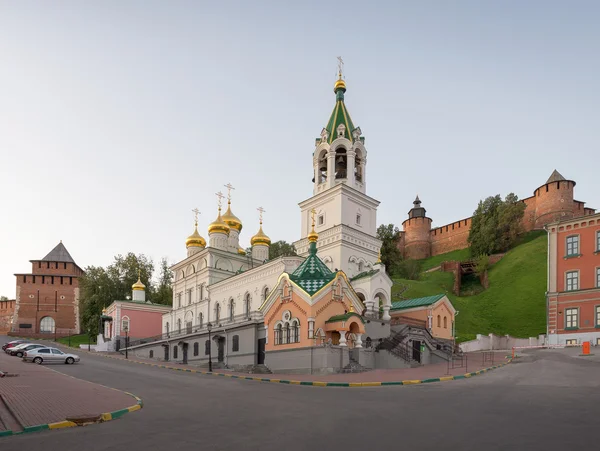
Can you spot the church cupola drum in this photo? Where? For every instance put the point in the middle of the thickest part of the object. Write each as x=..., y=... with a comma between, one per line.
x=195, y=243
x=260, y=242
x=234, y=223
x=218, y=230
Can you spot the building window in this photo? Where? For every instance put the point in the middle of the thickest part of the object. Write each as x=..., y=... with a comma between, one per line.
x=572, y=280
x=47, y=325
x=320, y=220
x=571, y=341
x=175, y=350
x=231, y=309
x=196, y=349
x=70, y=281
x=207, y=347
x=265, y=293
x=598, y=316
x=571, y=318
x=125, y=324
x=286, y=334
x=65, y=266
x=247, y=305
x=445, y=322
x=295, y=332
x=573, y=245
x=151, y=354
x=278, y=334
x=24, y=279
x=178, y=299
x=201, y=292
x=179, y=325
x=189, y=296
x=235, y=343
x=200, y=320
x=217, y=313
x=598, y=277
x=439, y=321
x=598, y=241
x=358, y=219
x=167, y=328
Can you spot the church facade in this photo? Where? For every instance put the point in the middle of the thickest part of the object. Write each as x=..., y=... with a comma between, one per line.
x=297, y=313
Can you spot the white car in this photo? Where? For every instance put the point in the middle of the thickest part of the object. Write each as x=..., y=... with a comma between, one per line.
x=49, y=355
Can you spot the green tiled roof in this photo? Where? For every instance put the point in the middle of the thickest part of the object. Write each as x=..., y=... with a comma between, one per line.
x=339, y=116
x=417, y=302
x=344, y=317
x=369, y=273
x=312, y=274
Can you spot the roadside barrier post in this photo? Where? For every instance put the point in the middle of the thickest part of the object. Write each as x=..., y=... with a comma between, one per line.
x=585, y=347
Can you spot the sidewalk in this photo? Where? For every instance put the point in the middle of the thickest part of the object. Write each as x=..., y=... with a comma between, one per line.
x=474, y=362
x=40, y=396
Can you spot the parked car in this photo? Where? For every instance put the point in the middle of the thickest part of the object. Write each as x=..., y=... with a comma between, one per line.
x=49, y=355
x=17, y=346
x=10, y=344
x=21, y=349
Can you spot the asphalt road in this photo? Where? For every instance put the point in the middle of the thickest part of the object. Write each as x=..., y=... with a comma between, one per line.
x=547, y=401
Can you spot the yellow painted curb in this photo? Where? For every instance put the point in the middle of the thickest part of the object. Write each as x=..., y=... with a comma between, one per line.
x=106, y=417
x=134, y=408
x=355, y=384
x=411, y=382
x=319, y=384
x=446, y=378
x=61, y=424
x=295, y=382
x=467, y=375
x=274, y=380
x=370, y=384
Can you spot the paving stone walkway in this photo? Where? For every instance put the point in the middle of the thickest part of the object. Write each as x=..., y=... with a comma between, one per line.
x=40, y=395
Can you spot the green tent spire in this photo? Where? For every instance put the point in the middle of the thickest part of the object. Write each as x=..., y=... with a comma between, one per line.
x=340, y=114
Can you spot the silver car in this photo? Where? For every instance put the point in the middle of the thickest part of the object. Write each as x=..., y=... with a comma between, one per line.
x=49, y=355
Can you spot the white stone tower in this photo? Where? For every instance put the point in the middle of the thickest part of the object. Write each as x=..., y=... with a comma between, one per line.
x=346, y=216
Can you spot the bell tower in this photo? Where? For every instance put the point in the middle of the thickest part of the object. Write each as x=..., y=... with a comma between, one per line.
x=345, y=215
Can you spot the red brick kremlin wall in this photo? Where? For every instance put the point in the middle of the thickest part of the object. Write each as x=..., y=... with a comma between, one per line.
x=550, y=202
x=7, y=308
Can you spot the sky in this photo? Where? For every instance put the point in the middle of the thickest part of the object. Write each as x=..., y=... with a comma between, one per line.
x=118, y=118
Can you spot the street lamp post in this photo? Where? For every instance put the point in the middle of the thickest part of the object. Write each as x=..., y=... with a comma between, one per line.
x=209, y=327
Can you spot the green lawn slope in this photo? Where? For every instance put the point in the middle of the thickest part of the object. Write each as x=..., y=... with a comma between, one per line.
x=513, y=304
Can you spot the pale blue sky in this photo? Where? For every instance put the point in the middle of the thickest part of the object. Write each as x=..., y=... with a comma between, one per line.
x=119, y=117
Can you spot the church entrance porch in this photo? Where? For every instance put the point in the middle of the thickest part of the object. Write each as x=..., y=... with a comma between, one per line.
x=260, y=359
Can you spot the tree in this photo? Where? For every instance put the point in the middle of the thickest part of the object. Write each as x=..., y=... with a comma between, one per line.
x=281, y=248
x=390, y=253
x=3, y=298
x=496, y=224
x=99, y=287
x=164, y=290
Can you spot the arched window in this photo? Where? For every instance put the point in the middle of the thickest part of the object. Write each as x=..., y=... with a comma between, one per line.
x=341, y=164
x=358, y=175
x=235, y=343
x=231, y=309
x=265, y=293
x=295, y=332
x=439, y=321
x=179, y=325
x=322, y=167
x=445, y=323
x=247, y=305
x=207, y=347
x=196, y=349
x=200, y=320
x=217, y=313
x=368, y=342
x=175, y=349
x=125, y=324
x=47, y=325
x=286, y=333
x=360, y=267
x=278, y=334
x=167, y=328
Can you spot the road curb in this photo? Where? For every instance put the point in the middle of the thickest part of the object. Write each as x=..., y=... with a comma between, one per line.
x=318, y=383
x=108, y=416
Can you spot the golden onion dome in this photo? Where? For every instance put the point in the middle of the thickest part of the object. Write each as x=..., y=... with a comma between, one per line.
x=260, y=238
x=218, y=225
x=195, y=240
x=339, y=84
x=138, y=286
x=241, y=251
x=313, y=236
x=232, y=220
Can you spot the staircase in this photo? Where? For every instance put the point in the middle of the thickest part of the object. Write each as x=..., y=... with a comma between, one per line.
x=396, y=346
x=260, y=369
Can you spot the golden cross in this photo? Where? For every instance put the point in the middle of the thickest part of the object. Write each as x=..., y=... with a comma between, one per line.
x=196, y=213
x=313, y=212
x=229, y=187
x=219, y=197
x=261, y=210
x=340, y=66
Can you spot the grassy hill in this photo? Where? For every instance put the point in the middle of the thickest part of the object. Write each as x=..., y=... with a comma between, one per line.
x=514, y=303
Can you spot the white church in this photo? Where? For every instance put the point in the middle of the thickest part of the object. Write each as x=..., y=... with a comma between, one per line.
x=270, y=312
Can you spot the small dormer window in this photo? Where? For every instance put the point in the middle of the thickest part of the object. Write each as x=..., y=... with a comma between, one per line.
x=341, y=129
